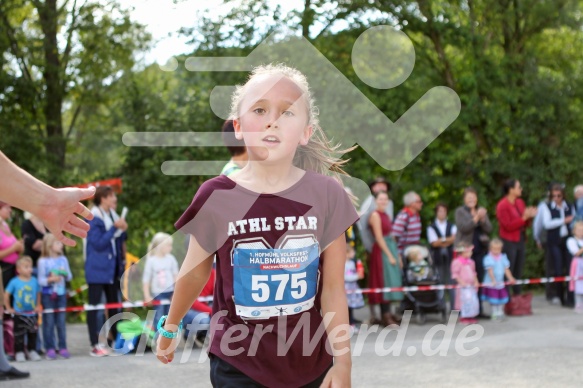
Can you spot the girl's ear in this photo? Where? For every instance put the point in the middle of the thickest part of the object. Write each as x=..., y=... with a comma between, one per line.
x=308, y=132
x=237, y=127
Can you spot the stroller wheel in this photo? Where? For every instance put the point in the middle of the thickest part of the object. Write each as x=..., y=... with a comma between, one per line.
x=421, y=318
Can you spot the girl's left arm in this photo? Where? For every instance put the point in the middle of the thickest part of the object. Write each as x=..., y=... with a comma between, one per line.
x=68, y=269
x=509, y=275
x=334, y=303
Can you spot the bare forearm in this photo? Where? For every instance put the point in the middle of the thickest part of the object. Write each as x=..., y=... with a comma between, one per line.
x=21, y=189
x=187, y=289
x=334, y=303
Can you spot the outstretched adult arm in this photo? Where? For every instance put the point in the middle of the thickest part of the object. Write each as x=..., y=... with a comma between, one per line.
x=57, y=208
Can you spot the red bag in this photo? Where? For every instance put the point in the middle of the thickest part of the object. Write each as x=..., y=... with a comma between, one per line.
x=519, y=305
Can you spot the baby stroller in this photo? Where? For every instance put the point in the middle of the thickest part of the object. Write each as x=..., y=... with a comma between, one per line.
x=419, y=270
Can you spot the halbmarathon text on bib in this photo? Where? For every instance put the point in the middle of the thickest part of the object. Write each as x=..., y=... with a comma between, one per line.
x=274, y=282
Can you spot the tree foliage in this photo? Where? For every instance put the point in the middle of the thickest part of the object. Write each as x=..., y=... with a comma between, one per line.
x=515, y=64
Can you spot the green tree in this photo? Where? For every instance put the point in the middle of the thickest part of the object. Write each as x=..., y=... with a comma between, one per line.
x=59, y=61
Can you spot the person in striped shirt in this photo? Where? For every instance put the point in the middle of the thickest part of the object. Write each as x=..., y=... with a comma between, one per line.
x=407, y=225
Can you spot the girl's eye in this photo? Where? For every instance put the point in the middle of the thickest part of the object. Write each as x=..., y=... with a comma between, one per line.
x=288, y=113
x=259, y=110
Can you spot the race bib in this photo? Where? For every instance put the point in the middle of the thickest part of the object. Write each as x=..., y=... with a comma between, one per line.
x=274, y=282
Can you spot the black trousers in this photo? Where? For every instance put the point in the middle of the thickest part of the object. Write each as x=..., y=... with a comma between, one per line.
x=224, y=375
x=516, y=255
x=25, y=326
x=560, y=263
x=111, y=296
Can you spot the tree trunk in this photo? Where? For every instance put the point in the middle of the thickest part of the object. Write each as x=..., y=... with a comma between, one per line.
x=53, y=99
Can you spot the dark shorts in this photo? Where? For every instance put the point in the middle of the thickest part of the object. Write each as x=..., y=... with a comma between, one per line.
x=224, y=375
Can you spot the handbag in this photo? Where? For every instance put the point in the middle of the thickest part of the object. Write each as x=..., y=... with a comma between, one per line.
x=519, y=305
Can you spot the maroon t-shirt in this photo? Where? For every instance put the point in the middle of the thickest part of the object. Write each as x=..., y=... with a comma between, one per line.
x=266, y=308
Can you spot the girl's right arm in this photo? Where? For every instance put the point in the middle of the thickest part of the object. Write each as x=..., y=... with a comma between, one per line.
x=192, y=277
x=491, y=274
x=43, y=280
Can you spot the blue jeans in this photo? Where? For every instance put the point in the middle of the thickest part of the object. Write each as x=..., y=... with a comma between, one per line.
x=161, y=309
x=54, y=320
x=196, y=321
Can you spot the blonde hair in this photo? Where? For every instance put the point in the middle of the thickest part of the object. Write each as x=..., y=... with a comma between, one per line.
x=23, y=260
x=48, y=240
x=158, y=239
x=496, y=242
x=319, y=155
x=577, y=224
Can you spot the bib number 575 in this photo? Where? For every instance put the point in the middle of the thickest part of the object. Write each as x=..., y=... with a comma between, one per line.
x=261, y=291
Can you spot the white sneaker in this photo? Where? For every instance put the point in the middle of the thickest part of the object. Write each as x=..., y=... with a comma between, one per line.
x=556, y=301
x=33, y=356
x=20, y=357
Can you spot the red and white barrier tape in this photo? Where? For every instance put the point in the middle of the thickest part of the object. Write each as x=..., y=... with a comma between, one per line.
x=556, y=279
x=128, y=305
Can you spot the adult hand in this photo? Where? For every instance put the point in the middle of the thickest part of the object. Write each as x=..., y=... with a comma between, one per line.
x=121, y=224
x=60, y=210
x=568, y=219
x=18, y=246
x=481, y=213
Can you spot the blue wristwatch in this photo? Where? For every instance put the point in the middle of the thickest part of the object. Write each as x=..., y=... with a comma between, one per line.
x=165, y=333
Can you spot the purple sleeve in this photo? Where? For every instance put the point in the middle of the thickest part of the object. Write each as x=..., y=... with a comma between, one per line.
x=341, y=213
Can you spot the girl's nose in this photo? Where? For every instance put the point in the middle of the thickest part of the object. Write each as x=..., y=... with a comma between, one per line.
x=272, y=121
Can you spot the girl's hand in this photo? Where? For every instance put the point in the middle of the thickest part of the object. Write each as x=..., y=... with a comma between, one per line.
x=38, y=309
x=338, y=376
x=10, y=310
x=392, y=260
x=165, y=348
x=512, y=280
x=476, y=283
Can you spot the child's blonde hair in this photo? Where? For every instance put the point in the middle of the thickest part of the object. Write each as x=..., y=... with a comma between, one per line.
x=158, y=239
x=23, y=260
x=48, y=240
x=577, y=224
x=319, y=155
x=496, y=242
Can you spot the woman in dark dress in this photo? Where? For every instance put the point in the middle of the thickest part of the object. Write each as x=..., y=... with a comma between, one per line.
x=384, y=263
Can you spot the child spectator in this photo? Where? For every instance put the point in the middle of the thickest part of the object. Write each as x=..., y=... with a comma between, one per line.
x=160, y=273
x=53, y=272
x=24, y=289
x=418, y=268
x=496, y=265
x=575, y=247
x=351, y=275
x=463, y=271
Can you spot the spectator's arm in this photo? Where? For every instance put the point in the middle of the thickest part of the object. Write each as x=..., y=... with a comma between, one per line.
x=8, y=251
x=464, y=221
x=202, y=307
x=57, y=208
x=486, y=224
x=399, y=226
x=507, y=220
x=549, y=222
x=68, y=269
x=43, y=281
x=97, y=236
